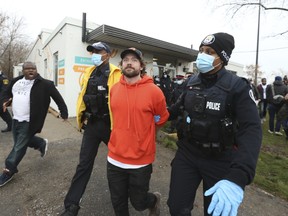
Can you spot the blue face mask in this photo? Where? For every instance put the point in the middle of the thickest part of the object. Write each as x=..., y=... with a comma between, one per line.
x=204, y=62
x=96, y=59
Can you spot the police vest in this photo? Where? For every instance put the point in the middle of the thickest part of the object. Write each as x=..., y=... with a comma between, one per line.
x=209, y=109
x=96, y=96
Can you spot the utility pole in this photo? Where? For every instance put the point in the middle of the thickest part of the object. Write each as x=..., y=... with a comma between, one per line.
x=257, y=47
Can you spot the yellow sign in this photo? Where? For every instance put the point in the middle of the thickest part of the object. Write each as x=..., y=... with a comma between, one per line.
x=61, y=81
x=79, y=68
x=61, y=71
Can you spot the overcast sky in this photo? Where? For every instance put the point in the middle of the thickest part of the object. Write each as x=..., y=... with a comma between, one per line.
x=182, y=22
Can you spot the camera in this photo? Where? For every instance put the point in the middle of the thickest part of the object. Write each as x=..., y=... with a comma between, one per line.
x=199, y=103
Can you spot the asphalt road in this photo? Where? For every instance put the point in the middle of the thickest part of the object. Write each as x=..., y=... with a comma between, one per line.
x=41, y=184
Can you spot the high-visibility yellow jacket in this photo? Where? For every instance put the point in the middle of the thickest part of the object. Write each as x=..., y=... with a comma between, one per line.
x=114, y=77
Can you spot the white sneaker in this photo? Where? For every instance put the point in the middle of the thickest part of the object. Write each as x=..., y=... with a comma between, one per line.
x=271, y=132
x=278, y=133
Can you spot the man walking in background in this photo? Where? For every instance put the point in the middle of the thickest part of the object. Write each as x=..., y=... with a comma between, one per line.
x=263, y=99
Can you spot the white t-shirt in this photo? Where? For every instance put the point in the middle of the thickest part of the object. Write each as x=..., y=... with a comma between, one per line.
x=123, y=165
x=264, y=90
x=21, y=99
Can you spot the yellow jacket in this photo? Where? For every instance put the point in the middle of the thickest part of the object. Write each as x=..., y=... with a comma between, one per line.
x=114, y=77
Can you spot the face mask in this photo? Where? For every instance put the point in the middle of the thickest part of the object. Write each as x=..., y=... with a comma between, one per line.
x=204, y=62
x=96, y=59
x=179, y=82
x=165, y=76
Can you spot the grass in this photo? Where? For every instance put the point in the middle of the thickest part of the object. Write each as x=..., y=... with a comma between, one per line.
x=272, y=167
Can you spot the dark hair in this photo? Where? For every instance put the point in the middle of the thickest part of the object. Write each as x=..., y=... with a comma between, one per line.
x=28, y=62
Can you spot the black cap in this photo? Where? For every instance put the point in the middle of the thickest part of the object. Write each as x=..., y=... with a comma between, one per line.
x=99, y=46
x=222, y=43
x=133, y=50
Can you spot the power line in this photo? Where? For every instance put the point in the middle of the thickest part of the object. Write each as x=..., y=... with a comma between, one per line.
x=264, y=50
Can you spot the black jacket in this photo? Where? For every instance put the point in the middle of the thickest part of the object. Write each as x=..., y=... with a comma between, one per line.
x=279, y=89
x=248, y=137
x=40, y=94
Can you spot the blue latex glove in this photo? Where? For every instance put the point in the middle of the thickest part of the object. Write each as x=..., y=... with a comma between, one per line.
x=156, y=118
x=227, y=196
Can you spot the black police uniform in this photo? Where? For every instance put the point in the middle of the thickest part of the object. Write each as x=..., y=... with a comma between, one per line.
x=4, y=115
x=96, y=131
x=177, y=91
x=166, y=87
x=220, y=138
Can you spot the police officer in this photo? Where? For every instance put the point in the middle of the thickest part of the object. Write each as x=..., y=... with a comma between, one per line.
x=166, y=87
x=93, y=117
x=4, y=115
x=221, y=135
x=178, y=88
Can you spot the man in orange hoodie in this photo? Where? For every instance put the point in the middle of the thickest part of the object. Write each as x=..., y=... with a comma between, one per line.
x=134, y=102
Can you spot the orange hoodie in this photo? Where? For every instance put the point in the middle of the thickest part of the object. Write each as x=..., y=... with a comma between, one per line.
x=133, y=107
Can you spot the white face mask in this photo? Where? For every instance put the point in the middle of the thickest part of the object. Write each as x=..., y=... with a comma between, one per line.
x=179, y=82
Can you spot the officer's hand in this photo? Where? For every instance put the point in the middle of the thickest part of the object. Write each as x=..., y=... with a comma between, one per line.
x=227, y=196
x=6, y=104
x=156, y=118
x=286, y=97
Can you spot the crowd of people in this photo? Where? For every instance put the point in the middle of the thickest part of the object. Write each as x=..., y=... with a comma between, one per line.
x=273, y=99
x=214, y=113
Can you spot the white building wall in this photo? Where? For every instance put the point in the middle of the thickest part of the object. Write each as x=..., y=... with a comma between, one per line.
x=236, y=67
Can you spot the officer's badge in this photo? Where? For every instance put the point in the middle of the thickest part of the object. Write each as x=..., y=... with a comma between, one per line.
x=5, y=81
x=208, y=40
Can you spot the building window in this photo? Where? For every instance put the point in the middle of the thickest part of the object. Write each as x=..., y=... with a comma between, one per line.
x=55, y=68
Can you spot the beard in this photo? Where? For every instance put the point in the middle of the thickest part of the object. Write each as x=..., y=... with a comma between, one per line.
x=131, y=72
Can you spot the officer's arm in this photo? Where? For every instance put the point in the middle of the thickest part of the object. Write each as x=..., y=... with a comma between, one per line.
x=176, y=109
x=248, y=137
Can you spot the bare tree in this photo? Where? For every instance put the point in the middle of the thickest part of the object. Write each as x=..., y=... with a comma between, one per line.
x=250, y=71
x=14, y=45
x=242, y=7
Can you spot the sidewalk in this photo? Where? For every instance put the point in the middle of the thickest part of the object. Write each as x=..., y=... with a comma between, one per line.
x=41, y=184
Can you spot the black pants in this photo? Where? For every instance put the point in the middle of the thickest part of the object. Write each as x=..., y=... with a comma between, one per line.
x=130, y=183
x=188, y=170
x=95, y=132
x=6, y=117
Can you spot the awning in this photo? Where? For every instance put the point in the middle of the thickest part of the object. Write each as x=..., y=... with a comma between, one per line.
x=163, y=51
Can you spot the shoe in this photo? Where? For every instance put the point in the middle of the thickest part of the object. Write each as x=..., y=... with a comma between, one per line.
x=155, y=211
x=43, y=149
x=271, y=132
x=5, y=177
x=278, y=133
x=8, y=129
x=72, y=210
